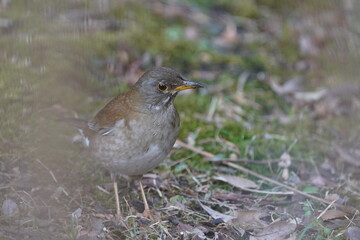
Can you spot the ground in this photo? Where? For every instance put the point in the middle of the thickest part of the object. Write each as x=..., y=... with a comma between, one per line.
x=268, y=150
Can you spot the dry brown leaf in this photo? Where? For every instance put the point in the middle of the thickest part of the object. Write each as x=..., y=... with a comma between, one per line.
x=227, y=196
x=250, y=219
x=236, y=181
x=332, y=214
x=275, y=231
x=215, y=214
x=318, y=180
x=331, y=197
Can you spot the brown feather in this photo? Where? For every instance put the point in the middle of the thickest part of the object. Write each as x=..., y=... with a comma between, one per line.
x=119, y=108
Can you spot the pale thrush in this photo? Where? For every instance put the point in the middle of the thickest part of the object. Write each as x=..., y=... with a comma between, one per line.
x=135, y=131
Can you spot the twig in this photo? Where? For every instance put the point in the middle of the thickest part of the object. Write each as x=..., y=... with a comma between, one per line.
x=50, y=172
x=213, y=158
x=343, y=208
x=325, y=210
x=350, y=220
x=346, y=209
x=102, y=189
x=194, y=149
x=245, y=160
x=266, y=192
x=193, y=177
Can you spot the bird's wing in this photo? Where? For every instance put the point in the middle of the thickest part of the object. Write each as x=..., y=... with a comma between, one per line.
x=113, y=114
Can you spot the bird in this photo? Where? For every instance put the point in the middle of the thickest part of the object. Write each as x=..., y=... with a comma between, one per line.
x=134, y=132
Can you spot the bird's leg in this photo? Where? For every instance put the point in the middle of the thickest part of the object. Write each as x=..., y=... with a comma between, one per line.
x=118, y=212
x=146, y=212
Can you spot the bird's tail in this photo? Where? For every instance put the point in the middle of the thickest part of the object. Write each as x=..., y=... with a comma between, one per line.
x=82, y=126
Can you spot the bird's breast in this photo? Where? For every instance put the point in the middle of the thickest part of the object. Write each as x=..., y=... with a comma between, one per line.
x=139, y=144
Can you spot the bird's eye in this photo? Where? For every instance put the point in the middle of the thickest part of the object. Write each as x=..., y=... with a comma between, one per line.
x=162, y=87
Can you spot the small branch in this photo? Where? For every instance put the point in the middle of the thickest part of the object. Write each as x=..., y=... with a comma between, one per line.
x=212, y=158
x=102, y=189
x=266, y=192
x=270, y=161
x=194, y=149
x=343, y=208
x=50, y=172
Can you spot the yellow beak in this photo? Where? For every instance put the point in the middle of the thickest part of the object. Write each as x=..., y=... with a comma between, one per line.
x=187, y=85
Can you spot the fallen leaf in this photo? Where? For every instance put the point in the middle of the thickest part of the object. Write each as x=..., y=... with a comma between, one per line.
x=318, y=180
x=250, y=219
x=236, y=181
x=275, y=231
x=331, y=197
x=215, y=214
x=332, y=214
x=227, y=196
x=321, y=181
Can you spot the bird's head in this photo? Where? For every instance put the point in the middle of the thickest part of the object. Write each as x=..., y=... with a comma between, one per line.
x=158, y=87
